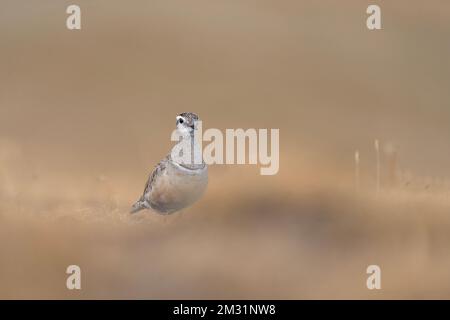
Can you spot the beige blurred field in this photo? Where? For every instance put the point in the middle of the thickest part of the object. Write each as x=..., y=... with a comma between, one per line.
x=85, y=115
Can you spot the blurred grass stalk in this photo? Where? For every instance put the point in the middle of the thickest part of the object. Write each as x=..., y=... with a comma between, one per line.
x=377, y=152
x=357, y=171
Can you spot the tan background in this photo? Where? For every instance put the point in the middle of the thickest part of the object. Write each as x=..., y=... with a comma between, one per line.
x=85, y=115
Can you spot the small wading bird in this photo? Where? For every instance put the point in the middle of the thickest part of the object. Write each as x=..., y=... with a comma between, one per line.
x=175, y=184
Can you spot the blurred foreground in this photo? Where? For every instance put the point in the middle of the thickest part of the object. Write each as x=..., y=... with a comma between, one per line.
x=290, y=239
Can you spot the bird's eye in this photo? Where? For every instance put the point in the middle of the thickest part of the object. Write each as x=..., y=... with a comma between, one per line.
x=181, y=120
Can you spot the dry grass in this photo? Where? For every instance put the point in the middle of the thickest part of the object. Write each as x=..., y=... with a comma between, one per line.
x=295, y=240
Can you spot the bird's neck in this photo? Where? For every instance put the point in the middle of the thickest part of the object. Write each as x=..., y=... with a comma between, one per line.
x=193, y=146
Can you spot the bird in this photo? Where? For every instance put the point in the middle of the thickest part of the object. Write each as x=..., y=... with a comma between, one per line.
x=175, y=184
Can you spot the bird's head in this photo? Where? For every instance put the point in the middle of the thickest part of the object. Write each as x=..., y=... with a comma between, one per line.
x=187, y=123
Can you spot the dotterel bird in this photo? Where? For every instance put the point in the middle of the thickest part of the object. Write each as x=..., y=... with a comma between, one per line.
x=175, y=184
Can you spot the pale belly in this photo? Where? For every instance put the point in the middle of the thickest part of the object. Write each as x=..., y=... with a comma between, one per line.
x=176, y=189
